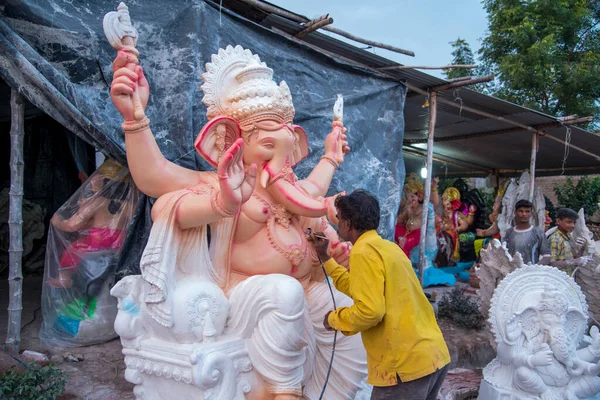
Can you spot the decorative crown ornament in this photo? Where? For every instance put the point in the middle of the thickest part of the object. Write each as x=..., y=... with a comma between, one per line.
x=413, y=184
x=239, y=86
x=451, y=194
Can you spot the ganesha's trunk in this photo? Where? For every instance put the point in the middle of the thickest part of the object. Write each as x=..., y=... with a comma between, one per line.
x=296, y=200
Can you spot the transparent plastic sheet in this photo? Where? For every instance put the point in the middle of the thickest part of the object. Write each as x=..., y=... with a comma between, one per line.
x=85, y=240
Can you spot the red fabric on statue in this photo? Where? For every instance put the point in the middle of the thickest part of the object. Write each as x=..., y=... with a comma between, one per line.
x=412, y=239
x=95, y=239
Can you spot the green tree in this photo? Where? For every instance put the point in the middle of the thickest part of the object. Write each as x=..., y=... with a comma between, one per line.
x=461, y=54
x=545, y=54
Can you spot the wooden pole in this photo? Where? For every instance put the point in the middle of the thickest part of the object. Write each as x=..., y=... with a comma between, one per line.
x=572, y=146
x=498, y=132
x=466, y=82
x=314, y=25
x=15, y=223
x=534, y=148
x=397, y=67
x=460, y=78
x=295, y=17
x=432, y=118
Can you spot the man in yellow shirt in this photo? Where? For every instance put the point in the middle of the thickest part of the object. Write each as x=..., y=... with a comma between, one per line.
x=407, y=356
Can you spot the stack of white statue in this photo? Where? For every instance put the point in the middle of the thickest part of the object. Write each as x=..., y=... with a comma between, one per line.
x=539, y=320
x=243, y=319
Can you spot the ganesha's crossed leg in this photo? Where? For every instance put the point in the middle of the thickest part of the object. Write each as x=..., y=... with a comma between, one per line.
x=286, y=341
x=268, y=311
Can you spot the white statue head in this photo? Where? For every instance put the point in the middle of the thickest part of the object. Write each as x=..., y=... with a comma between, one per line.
x=240, y=94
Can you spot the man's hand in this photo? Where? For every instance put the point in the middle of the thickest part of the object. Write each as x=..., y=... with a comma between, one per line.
x=340, y=252
x=321, y=244
x=583, y=261
x=581, y=241
x=326, y=322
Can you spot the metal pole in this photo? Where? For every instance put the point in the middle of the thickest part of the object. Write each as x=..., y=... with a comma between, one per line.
x=534, y=146
x=15, y=223
x=432, y=118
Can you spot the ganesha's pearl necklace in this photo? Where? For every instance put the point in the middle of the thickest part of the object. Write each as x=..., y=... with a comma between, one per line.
x=278, y=214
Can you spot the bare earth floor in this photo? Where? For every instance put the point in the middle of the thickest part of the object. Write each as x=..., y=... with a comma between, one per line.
x=99, y=376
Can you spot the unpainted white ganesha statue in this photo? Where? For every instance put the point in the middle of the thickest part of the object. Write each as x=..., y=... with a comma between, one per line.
x=539, y=320
x=242, y=319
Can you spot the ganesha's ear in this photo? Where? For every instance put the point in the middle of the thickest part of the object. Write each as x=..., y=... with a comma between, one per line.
x=217, y=135
x=301, y=147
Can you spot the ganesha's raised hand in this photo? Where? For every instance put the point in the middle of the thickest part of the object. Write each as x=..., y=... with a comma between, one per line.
x=236, y=183
x=128, y=77
x=336, y=143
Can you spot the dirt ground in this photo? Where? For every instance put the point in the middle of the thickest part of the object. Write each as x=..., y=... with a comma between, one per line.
x=100, y=375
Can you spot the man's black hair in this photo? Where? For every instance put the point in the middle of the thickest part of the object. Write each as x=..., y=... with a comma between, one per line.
x=523, y=204
x=562, y=213
x=360, y=208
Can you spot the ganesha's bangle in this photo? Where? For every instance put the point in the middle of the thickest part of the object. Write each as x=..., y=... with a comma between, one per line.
x=331, y=161
x=219, y=208
x=136, y=126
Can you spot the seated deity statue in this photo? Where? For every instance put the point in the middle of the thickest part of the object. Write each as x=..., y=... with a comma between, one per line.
x=538, y=316
x=457, y=219
x=243, y=317
x=409, y=221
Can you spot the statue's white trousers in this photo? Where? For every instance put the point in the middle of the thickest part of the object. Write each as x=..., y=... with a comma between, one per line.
x=287, y=343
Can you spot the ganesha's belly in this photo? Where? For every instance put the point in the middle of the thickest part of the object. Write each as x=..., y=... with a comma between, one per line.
x=262, y=255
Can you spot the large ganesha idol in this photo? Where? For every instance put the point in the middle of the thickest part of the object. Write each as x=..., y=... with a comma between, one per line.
x=538, y=316
x=243, y=318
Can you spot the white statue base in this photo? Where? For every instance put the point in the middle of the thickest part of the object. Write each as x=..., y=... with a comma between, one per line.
x=210, y=366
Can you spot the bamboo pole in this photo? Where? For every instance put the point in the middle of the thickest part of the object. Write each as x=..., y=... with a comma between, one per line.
x=295, y=17
x=585, y=168
x=466, y=82
x=15, y=223
x=432, y=118
x=397, y=67
x=534, y=148
x=314, y=25
x=539, y=127
x=460, y=78
x=572, y=146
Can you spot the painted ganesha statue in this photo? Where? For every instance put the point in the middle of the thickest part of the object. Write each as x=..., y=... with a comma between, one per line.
x=539, y=319
x=241, y=318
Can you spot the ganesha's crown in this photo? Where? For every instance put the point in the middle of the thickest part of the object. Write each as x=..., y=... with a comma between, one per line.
x=238, y=85
x=553, y=301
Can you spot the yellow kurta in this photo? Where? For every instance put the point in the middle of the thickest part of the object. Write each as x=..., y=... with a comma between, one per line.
x=396, y=320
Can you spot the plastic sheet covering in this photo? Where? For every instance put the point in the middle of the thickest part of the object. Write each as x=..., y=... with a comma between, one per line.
x=55, y=53
x=85, y=240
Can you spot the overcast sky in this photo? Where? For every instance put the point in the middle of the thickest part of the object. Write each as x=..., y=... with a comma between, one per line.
x=423, y=26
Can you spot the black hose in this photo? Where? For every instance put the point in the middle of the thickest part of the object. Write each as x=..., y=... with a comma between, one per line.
x=334, y=333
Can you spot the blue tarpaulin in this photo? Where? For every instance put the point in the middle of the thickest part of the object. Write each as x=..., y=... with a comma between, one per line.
x=55, y=54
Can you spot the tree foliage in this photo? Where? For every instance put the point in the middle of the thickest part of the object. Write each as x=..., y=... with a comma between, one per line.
x=585, y=194
x=461, y=54
x=545, y=54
